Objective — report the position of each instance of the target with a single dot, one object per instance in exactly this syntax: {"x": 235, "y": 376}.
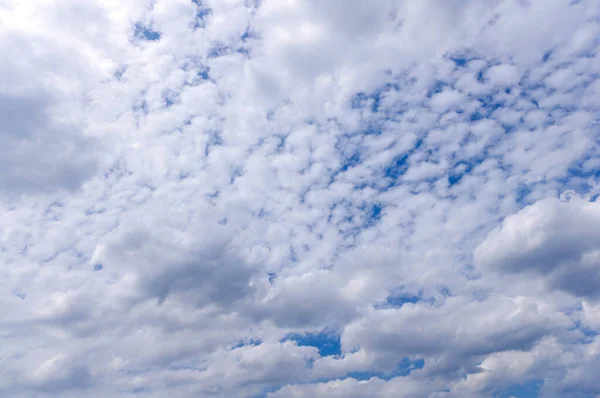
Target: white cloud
{"x": 188, "y": 186}
{"x": 550, "y": 238}
{"x": 503, "y": 75}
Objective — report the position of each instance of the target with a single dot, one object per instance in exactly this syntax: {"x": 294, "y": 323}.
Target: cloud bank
{"x": 300, "y": 198}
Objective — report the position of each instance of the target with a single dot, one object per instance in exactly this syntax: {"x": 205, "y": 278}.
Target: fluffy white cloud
{"x": 299, "y": 198}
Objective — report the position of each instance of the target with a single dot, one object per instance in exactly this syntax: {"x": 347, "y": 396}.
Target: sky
{"x": 300, "y": 198}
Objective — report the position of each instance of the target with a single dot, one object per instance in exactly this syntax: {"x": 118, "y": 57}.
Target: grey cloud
{"x": 58, "y": 374}
{"x": 52, "y": 160}
{"x": 44, "y": 147}
{"x": 22, "y": 116}
{"x": 399, "y": 387}
{"x": 469, "y": 331}
{"x": 204, "y": 278}
{"x": 306, "y": 301}
{"x": 559, "y": 241}
{"x": 204, "y": 273}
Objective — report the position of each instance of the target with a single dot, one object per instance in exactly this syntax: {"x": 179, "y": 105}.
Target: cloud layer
{"x": 299, "y": 198}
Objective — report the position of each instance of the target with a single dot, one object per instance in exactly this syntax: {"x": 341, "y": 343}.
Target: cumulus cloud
{"x": 553, "y": 239}
{"x": 299, "y": 198}
{"x": 43, "y": 84}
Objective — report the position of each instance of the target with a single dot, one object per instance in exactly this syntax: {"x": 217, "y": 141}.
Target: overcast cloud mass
{"x": 299, "y": 198}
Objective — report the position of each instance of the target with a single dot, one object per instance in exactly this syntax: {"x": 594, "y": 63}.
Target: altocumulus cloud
{"x": 206, "y": 198}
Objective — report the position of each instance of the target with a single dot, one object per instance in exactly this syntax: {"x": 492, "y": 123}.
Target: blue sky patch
{"x": 462, "y": 168}
{"x": 120, "y": 72}
{"x": 523, "y": 190}
{"x": 398, "y": 167}
{"x": 397, "y": 298}
{"x": 248, "y": 342}
{"x": 459, "y": 61}
{"x": 436, "y": 88}
{"x": 405, "y": 367}
{"x": 328, "y": 343}
{"x": 146, "y": 33}
{"x": 397, "y": 301}
{"x": 218, "y": 51}
{"x": 531, "y": 389}
{"x": 375, "y": 212}
{"x": 358, "y": 100}
{"x": 351, "y": 161}
{"x": 204, "y": 73}
{"x": 202, "y": 14}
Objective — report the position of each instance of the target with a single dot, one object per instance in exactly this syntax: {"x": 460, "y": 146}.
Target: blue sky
{"x": 300, "y": 198}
